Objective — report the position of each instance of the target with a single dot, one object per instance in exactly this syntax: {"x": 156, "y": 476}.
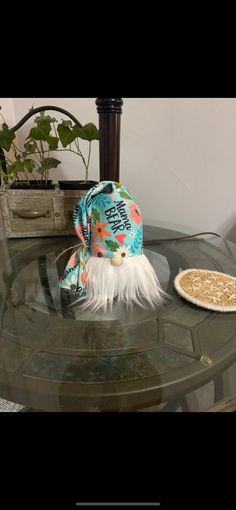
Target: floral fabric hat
{"x": 109, "y": 224}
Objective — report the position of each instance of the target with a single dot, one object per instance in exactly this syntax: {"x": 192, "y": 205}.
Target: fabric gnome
{"x": 110, "y": 262}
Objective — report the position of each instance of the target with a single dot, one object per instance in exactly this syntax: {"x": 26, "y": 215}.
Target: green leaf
{"x": 30, "y": 147}
{"x": 123, "y": 194}
{"x": 44, "y": 118}
{"x": 95, "y": 215}
{"x": 19, "y": 165}
{"x": 66, "y": 134}
{"x": 112, "y": 245}
{"x": 53, "y": 143}
{"x": 87, "y": 132}
{"x": 6, "y": 137}
{"x": 66, "y": 123}
{"x": 11, "y": 170}
{"x": 29, "y": 165}
{"x": 41, "y": 132}
{"x": 14, "y": 168}
{"x": 50, "y": 163}
{"x": 117, "y": 185}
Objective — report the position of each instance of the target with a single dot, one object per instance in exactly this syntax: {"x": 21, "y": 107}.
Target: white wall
{"x": 178, "y": 157}
{"x": 7, "y": 111}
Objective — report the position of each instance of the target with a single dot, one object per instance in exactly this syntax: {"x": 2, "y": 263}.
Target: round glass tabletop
{"x": 54, "y": 357}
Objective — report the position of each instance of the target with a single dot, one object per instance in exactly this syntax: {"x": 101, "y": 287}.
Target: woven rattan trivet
{"x": 209, "y": 289}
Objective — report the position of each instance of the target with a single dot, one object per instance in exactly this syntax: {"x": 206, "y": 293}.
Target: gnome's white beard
{"x": 134, "y": 281}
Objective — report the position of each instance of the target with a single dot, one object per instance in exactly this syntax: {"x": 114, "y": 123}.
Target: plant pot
{"x": 33, "y": 185}
{"x": 80, "y": 185}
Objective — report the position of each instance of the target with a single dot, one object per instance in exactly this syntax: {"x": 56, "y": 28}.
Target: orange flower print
{"x": 135, "y": 214}
{"x": 83, "y": 278}
{"x": 99, "y": 230}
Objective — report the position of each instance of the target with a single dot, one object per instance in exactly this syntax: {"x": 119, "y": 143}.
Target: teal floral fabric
{"x": 109, "y": 224}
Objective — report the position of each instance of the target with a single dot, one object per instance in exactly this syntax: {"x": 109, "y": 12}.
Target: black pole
{"x": 109, "y": 111}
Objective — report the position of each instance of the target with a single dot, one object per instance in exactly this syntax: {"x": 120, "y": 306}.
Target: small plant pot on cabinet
{"x": 35, "y": 212}
{"x": 77, "y": 185}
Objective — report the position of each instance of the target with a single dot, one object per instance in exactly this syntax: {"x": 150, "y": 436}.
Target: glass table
{"x": 54, "y": 357}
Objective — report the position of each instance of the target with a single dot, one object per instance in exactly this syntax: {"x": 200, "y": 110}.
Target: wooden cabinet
{"x": 39, "y": 213}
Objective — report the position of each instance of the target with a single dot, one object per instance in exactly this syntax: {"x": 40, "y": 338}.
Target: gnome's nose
{"x": 116, "y": 261}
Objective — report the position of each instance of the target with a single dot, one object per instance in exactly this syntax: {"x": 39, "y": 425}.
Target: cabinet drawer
{"x": 31, "y": 213}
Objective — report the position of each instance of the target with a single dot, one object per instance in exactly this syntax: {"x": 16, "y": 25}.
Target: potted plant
{"x": 25, "y": 174}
